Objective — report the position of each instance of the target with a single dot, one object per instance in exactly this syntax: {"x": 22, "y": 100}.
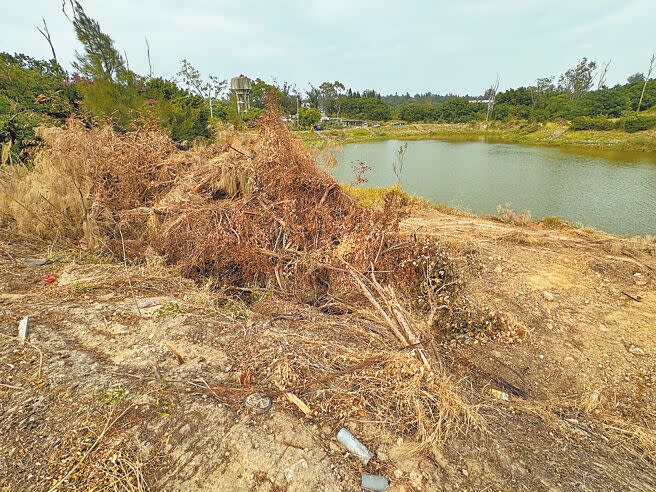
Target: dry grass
{"x": 508, "y": 216}
{"x": 249, "y": 211}
{"x": 349, "y": 373}
{"x": 253, "y": 213}
{"x": 519, "y": 236}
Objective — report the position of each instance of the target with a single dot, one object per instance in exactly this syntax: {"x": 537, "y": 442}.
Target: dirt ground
{"x": 98, "y": 397}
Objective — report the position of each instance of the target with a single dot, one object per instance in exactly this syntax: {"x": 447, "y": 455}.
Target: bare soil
{"x": 98, "y": 396}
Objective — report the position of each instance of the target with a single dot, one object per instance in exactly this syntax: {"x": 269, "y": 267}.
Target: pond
{"x": 609, "y": 190}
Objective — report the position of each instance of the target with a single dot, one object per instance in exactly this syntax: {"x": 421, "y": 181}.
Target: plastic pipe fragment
{"x": 353, "y": 446}
{"x": 377, "y": 483}
{"x": 23, "y": 328}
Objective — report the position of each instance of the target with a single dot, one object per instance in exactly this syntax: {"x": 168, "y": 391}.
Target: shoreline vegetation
{"x": 376, "y": 197}
{"x": 544, "y": 134}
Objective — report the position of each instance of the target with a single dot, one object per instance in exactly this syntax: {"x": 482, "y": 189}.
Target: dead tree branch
{"x": 644, "y": 86}
{"x": 46, "y": 34}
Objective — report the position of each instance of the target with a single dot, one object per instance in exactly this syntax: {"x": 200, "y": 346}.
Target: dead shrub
{"x": 507, "y": 215}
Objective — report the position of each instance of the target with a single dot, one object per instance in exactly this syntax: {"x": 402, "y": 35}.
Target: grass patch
{"x": 554, "y": 222}
{"x": 377, "y": 197}
{"x": 114, "y": 395}
{"x": 167, "y": 310}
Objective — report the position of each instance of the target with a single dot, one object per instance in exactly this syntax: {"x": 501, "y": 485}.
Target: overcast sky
{"x": 453, "y": 46}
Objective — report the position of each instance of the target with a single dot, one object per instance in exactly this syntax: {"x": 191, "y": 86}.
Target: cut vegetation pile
{"x": 253, "y": 213}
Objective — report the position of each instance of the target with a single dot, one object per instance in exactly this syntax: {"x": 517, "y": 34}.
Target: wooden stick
{"x": 378, "y": 308}
{"x": 296, "y": 401}
{"x": 414, "y": 339}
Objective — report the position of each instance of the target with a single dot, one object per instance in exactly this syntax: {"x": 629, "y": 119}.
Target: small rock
{"x": 398, "y": 473}
{"x": 465, "y": 472}
{"x": 498, "y": 269}
{"x": 291, "y": 471}
{"x": 635, "y": 350}
{"x": 382, "y": 456}
{"x": 548, "y": 296}
{"x": 334, "y": 448}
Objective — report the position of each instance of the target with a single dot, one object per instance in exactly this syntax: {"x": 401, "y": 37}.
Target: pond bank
{"x": 606, "y": 189}
{"x": 549, "y": 134}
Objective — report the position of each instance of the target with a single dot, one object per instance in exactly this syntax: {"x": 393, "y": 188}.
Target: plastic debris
{"x": 501, "y": 395}
{"x": 48, "y": 279}
{"x": 353, "y": 446}
{"x": 34, "y": 262}
{"x": 22, "y": 328}
{"x": 258, "y": 402}
{"x": 377, "y": 483}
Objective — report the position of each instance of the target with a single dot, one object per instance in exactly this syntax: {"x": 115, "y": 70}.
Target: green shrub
{"x": 635, "y": 124}
{"x": 589, "y": 123}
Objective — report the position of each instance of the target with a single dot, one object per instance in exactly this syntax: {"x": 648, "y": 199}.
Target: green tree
{"x": 578, "y": 80}
{"x": 366, "y": 108}
{"x": 331, "y": 96}
{"x": 32, "y": 93}
{"x": 100, "y": 59}
{"x": 309, "y": 117}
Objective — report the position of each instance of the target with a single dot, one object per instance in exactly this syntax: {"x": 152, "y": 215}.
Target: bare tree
{"x": 492, "y": 95}
{"x": 603, "y": 74}
{"x": 46, "y": 34}
{"x": 194, "y": 82}
{"x": 150, "y": 65}
{"x": 644, "y": 86}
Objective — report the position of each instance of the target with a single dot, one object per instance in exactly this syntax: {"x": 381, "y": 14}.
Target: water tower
{"x": 241, "y": 88}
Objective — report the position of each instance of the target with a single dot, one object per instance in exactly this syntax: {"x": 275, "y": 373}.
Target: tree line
{"x": 101, "y": 86}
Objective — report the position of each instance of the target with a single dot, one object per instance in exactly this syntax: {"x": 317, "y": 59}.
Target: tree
{"x": 289, "y": 98}
{"x": 309, "y": 117}
{"x": 366, "y": 108}
{"x": 209, "y": 90}
{"x": 331, "y": 94}
{"x": 635, "y": 78}
{"x": 578, "y": 79}
{"x": 491, "y": 95}
{"x": 603, "y": 74}
{"x": 313, "y": 95}
{"x": 647, "y": 77}
{"x": 100, "y": 59}
{"x": 32, "y": 93}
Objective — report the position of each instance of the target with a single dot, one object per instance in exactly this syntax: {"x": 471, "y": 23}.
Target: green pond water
{"x": 609, "y": 190}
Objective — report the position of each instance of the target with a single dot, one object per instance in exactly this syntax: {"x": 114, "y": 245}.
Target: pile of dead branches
{"x": 250, "y": 211}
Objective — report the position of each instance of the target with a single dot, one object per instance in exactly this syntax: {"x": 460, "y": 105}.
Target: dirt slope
{"x": 98, "y": 397}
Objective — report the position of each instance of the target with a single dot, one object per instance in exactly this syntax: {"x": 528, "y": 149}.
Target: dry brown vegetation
{"x": 252, "y": 213}
{"x": 187, "y": 281}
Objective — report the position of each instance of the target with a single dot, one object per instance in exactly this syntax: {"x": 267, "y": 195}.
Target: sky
{"x": 456, "y": 46}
